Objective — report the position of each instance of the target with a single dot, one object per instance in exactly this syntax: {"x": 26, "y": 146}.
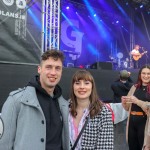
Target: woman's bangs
{"x": 83, "y": 76}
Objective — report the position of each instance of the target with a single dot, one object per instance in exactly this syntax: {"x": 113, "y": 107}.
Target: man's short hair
{"x": 124, "y": 75}
{"x": 55, "y": 54}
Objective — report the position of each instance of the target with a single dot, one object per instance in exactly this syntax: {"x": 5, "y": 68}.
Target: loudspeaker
{"x": 102, "y": 65}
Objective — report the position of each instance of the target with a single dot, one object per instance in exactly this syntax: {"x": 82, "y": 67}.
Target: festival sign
{"x": 20, "y": 28}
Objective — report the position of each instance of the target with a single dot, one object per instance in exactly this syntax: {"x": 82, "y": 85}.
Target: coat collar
{"x": 30, "y": 97}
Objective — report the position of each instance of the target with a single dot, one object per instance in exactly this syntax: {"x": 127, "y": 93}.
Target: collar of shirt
{"x": 74, "y": 131}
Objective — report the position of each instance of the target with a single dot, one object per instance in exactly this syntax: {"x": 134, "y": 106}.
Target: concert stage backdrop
{"x": 20, "y": 31}
{"x": 102, "y": 34}
{"x": 88, "y": 34}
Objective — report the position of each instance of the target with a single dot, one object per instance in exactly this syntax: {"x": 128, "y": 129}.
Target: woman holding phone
{"x": 136, "y": 103}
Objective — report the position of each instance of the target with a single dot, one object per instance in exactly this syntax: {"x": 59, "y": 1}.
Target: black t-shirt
{"x": 141, "y": 94}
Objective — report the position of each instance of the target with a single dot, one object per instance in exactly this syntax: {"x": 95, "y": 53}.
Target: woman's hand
{"x": 133, "y": 99}
{"x": 129, "y": 99}
{"x": 123, "y": 99}
{"x": 125, "y": 103}
{"x": 146, "y": 148}
{"x": 126, "y": 99}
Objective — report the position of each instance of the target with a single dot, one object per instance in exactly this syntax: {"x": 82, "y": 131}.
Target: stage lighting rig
{"x": 140, "y": 2}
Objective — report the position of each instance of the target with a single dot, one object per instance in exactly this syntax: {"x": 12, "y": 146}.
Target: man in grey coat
{"x": 36, "y": 117}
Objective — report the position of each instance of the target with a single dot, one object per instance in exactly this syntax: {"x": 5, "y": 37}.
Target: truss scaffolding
{"x": 51, "y": 25}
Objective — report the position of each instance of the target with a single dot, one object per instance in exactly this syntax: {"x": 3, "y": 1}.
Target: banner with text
{"x": 20, "y": 31}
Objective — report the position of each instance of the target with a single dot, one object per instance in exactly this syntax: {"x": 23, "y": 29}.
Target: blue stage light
{"x": 34, "y": 17}
{"x": 141, "y": 6}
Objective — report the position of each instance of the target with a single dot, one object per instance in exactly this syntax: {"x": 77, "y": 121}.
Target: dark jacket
{"x": 120, "y": 89}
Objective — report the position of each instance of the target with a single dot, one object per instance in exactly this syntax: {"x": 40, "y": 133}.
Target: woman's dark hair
{"x": 139, "y": 80}
{"x": 95, "y": 103}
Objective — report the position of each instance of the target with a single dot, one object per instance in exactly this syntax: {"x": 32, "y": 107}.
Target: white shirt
{"x": 135, "y": 52}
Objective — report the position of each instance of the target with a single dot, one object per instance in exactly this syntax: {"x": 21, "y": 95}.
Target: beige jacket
{"x": 147, "y": 131}
{"x": 127, "y": 107}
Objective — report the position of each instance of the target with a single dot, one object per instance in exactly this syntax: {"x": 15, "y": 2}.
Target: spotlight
{"x": 141, "y": 6}
{"x": 94, "y": 15}
{"x": 67, "y": 7}
{"x": 117, "y": 21}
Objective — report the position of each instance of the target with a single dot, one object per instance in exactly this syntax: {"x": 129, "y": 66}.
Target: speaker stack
{"x": 102, "y": 65}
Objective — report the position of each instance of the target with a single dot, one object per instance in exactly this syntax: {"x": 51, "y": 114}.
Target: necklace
{"x": 144, "y": 88}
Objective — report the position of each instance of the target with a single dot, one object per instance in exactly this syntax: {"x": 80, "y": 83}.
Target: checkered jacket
{"x": 98, "y": 134}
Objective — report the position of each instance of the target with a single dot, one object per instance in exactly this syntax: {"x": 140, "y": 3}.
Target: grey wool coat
{"x": 25, "y": 124}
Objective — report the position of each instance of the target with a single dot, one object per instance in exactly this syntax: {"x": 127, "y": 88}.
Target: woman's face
{"x": 145, "y": 76}
{"x": 82, "y": 89}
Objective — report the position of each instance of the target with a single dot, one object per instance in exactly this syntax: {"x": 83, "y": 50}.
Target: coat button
{"x": 42, "y": 121}
{"x": 42, "y": 140}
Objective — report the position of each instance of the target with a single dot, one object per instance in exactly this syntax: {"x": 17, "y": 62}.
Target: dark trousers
{"x": 135, "y": 64}
{"x": 136, "y": 132}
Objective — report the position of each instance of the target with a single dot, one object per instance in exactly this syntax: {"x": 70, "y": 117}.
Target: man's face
{"x": 137, "y": 47}
{"x": 50, "y": 72}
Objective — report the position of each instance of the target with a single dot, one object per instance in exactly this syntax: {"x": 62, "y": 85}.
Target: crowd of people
{"x": 37, "y": 117}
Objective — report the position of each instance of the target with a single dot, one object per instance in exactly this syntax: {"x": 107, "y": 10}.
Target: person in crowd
{"x": 136, "y": 103}
{"x": 32, "y": 116}
{"x": 88, "y": 114}
{"x": 136, "y": 55}
{"x": 146, "y": 145}
{"x": 121, "y": 86}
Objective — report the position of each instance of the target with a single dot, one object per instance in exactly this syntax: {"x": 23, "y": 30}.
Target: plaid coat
{"x": 98, "y": 134}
